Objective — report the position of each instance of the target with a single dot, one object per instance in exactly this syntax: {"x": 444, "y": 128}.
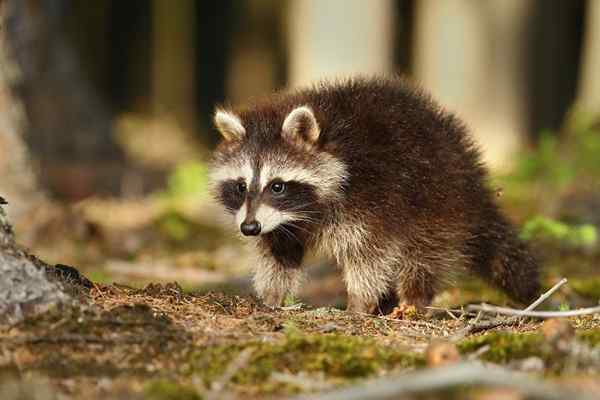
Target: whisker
{"x": 289, "y": 233}
{"x": 298, "y": 227}
{"x": 305, "y": 218}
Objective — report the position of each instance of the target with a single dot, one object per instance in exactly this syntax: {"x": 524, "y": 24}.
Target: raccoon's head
{"x": 272, "y": 173}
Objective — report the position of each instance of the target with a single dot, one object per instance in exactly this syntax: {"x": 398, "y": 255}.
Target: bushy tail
{"x": 510, "y": 264}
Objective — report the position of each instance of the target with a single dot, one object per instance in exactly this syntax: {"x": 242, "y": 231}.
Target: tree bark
{"x": 70, "y": 127}
{"x": 18, "y": 183}
{"x": 470, "y": 55}
{"x": 589, "y": 85}
{"x": 339, "y": 38}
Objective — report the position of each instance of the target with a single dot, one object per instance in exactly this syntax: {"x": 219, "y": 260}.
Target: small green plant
{"x": 547, "y": 229}
{"x": 564, "y": 307}
{"x": 189, "y": 179}
{"x": 545, "y": 164}
{"x": 290, "y": 300}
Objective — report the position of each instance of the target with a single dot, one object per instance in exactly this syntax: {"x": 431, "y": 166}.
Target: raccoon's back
{"x": 402, "y": 149}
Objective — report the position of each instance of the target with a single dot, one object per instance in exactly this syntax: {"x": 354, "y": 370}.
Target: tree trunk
{"x": 173, "y": 81}
{"x": 70, "y": 128}
{"x": 338, "y": 38}
{"x": 588, "y": 100}
{"x": 470, "y": 55}
{"x": 18, "y": 183}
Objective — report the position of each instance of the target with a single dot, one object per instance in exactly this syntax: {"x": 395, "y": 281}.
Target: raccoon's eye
{"x": 277, "y": 187}
{"x": 241, "y": 187}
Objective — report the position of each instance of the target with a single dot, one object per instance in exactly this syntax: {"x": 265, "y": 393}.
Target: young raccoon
{"x": 374, "y": 173}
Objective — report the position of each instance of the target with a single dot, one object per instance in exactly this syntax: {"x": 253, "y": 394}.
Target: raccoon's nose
{"x": 250, "y": 228}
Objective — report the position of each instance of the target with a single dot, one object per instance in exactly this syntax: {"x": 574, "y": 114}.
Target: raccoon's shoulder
{"x": 372, "y": 113}
{"x": 376, "y": 107}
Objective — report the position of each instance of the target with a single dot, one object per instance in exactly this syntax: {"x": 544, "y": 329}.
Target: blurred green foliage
{"x": 187, "y": 186}
{"x": 547, "y": 229}
{"x": 557, "y": 161}
{"x": 175, "y": 226}
{"x": 544, "y": 164}
{"x": 189, "y": 179}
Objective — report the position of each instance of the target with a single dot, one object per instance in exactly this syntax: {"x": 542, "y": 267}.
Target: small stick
{"x": 544, "y": 296}
{"x": 471, "y": 326}
{"x": 98, "y": 290}
{"x": 454, "y": 317}
{"x": 480, "y": 326}
{"x": 440, "y": 378}
{"x": 536, "y": 314}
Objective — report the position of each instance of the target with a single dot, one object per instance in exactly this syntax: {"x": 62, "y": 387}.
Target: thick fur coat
{"x": 375, "y": 174}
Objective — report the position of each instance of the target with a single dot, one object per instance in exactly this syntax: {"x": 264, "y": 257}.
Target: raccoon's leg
{"x": 367, "y": 283}
{"x": 278, "y": 272}
{"x": 417, "y": 284}
{"x": 273, "y": 281}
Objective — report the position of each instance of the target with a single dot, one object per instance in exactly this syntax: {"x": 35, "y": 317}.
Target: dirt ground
{"x": 162, "y": 342}
{"x": 207, "y": 337}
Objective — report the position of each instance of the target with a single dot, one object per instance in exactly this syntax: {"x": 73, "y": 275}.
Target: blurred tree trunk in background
{"x": 589, "y": 82}
{"x": 257, "y": 63}
{"x": 555, "y": 36}
{"x": 339, "y": 38}
{"x": 173, "y": 61}
{"x": 213, "y": 58}
{"x": 70, "y": 128}
{"x": 18, "y": 184}
{"x": 471, "y": 55}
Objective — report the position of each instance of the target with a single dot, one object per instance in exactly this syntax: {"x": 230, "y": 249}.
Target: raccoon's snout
{"x": 250, "y": 228}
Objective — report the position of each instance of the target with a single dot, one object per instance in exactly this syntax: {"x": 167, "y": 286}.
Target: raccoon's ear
{"x": 229, "y": 125}
{"x": 301, "y": 124}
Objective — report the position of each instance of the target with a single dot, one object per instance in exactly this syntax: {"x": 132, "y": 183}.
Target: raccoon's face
{"x": 274, "y": 177}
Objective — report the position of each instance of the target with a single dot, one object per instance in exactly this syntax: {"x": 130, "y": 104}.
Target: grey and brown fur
{"x": 376, "y": 175}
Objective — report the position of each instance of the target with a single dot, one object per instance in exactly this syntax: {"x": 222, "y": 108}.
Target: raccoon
{"x": 375, "y": 174}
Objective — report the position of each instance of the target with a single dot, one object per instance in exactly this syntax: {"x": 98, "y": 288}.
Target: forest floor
{"x": 210, "y": 338}
{"x": 170, "y": 314}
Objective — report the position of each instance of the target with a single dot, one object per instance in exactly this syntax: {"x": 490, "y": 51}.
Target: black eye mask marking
{"x": 230, "y": 196}
{"x": 295, "y": 196}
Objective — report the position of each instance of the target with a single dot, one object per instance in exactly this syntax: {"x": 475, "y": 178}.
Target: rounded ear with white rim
{"x": 229, "y": 125}
{"x": 301, "y": 124}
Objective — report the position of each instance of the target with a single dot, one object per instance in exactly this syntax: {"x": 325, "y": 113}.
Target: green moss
{"x": 335, "y": 356}
{"x": 505, "y": 347}
{"x": 589, "y": 287}
{"x": 99, "y": 276}
{"x": 591, "y": 337}
{"x": 167, "y": 390}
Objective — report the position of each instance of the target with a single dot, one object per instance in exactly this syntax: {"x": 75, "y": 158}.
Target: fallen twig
{"x": 536, "y": 314}
{"x": 429, "y": 380}
{"x": 485, "y": 325}
{"x": 544, "y": 296}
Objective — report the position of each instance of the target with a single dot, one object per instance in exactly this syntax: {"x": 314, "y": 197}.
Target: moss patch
{"x": 505, "y": 347}
{"x": 591, "y": 337}
{"x": 589, "y": 287}
{"x": 167, "y": 390}
{"x": 334, "y": 356}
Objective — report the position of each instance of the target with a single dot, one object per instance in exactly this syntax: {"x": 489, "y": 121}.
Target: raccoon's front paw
{"x": 273, "y": 299}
